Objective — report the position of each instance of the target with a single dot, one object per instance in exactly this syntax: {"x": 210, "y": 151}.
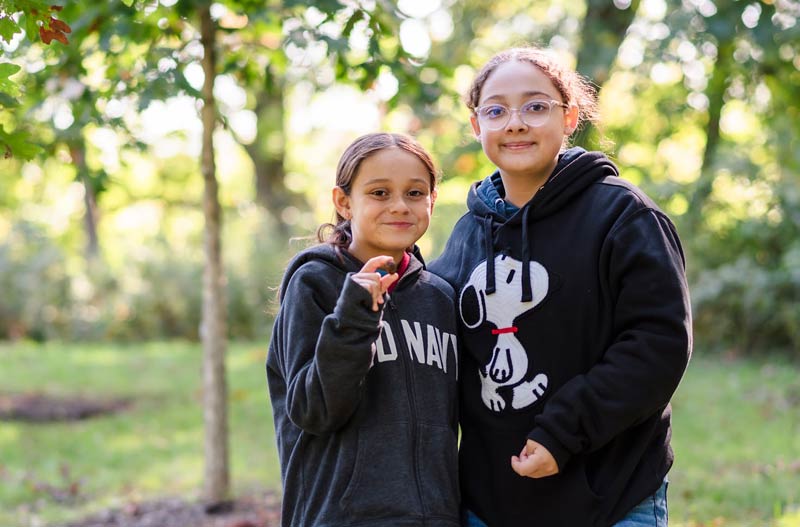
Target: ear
{"x": 570, "y": 119}
{"x": 476, "y": 128}
{"x": 434, "y": 194}
{"x": 342, "y": 203}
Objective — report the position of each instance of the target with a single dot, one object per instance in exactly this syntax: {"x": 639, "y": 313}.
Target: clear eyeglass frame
{"x": 533, "y": 113}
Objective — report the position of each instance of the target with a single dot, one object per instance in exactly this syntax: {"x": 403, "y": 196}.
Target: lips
{"x": 517, "y": 145}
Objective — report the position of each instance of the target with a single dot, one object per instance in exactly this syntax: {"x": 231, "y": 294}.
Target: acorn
{"x": 387, "y": 268}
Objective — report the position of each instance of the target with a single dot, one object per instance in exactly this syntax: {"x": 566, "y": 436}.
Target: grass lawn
{"x": 53, "y": 473}
{"x": 736, "y": 437}
{"x": 737, "y": 444}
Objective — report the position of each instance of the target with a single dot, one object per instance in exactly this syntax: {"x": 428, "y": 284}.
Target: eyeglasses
{"x": 533, "y": 113}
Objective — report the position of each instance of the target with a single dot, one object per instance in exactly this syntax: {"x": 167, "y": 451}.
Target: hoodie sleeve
{"x": 650, "y": 348}
{"x": 324, "y": 351}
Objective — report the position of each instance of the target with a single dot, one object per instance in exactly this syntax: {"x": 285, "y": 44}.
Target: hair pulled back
{"x": 574, "y": 88}
{"x": 339, "y": 234}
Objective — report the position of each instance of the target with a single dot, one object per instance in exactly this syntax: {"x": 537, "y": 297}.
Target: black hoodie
{"x": 364, "y": 402}
{"x": 576, "y": 331}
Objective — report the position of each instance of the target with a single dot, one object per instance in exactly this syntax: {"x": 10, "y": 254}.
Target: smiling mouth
{"x": 517, "y": 146}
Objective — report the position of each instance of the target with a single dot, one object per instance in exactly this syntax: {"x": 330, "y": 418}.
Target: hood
{"x": 575, "y": 171}
{"x": 323, "y": 252}
{"x": 343, "y": 260}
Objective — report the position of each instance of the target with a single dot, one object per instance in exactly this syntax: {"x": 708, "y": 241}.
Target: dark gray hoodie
{"x": 364, "y": 402}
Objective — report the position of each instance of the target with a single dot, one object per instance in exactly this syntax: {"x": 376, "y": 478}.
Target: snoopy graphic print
{"x": 507, "y": 374}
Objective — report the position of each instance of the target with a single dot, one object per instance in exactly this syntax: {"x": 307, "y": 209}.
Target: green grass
{"x": 154, "y": 449}
{"x": 737, "y": 444}
{"x": 736, "y": 434}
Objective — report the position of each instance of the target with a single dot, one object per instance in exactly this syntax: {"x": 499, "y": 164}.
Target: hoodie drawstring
{"x": 489, "y": 246}
{"x": 527, "y": 289}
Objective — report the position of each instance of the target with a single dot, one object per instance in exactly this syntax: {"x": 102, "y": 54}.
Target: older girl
{"x": 575, "y": 316}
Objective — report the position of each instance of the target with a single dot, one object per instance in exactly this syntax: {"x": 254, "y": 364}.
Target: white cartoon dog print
{"x": 508, "y": 365}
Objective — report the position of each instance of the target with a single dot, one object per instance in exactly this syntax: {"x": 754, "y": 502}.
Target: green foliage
{"x": 701, "y": 106}
{"x": 748, "y": 307}
{"x": 29, "y": 259}
{"x": 39, "y": 17}
{"x": 152, "y": 296}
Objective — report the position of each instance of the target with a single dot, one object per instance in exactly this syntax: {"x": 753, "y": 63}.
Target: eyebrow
{"x": 500, "y": 97}
{"x": 384, "y": 180}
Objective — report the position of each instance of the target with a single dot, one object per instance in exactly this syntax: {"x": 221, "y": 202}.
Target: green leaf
{"x": 128, "y": 3}
{"x": 17, "y": 145}
{"x": 8, "y": 28}
{"x": 7, "y": 101}
{"x": 31, "y": 29}
{"x": 7, "y": 85}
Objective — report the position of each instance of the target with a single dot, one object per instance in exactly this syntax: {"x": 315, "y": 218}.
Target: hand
{"x": 369, "y": 278}
{"x": 535, "y": 461}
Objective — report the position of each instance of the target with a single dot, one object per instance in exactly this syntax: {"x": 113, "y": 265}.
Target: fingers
{"x": 373, "y": 278}
{"x": 534, "y": 461}
{"x": 374, "y": 263}
{"x": 388, "y": 280}
{"x": 372, "y": 283}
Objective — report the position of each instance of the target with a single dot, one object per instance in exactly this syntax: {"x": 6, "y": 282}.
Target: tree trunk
{"x": 717, "y": 86}
{"x": 604, "y": 29}
{"x": 213, "y": 333}
{"x": 78, "y": 154}
{"x": 267, "y": 154}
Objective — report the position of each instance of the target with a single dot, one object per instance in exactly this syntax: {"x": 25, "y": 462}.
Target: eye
{"x": 536, "y": 107}
{"x": 494, "y": 111}
{"x": 379, "y": 193}
{"x": 416, "y": 193}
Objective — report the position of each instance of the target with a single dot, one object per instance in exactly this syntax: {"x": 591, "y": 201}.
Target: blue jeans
{"x": 652, "y": 512}
{"x": 468, "y": 519}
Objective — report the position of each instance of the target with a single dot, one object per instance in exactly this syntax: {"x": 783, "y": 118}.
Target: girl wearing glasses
{"x": 574, "y": 314}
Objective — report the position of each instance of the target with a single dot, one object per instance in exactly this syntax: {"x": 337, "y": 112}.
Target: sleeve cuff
{"x": 559, "y": 453}
{"x": 355, "y": 305}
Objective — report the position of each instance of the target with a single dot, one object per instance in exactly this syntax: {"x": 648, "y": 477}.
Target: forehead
{"x": 517, "y": 79}
{"x": 392, "y": 165}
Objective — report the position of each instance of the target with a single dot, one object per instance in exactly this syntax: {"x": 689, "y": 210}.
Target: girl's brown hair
{"x": 339, "y": 234}
{"x": 573, "y": 87}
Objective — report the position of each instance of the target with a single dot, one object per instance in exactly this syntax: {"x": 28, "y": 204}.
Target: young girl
{"x": 574, "y": 311}
{"x": 363, "y": 383}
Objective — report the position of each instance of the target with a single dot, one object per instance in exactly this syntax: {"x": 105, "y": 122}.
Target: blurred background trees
{"x": 101, "y": 181}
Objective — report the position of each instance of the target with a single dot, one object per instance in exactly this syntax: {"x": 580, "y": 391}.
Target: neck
{"x": 521, "y": 189}
{"x": 365, "y": 254}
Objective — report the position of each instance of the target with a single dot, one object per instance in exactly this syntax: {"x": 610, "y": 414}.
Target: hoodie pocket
{"x": 382, "y": 483}
{"x": 438, "y": 466}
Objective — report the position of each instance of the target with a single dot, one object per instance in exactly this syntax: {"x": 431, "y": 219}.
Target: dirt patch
{"x": 43, "y": 408}
{"x": 252, "y": 511}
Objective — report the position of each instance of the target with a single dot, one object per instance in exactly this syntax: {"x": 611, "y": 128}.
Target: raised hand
{"x": 373, "y": 281}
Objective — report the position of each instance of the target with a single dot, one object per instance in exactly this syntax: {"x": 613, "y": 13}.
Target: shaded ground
{"x": 43, "y": 408}
{"x": 252, "y": 511}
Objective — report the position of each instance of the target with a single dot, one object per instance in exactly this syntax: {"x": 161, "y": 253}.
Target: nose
{"x": 515, "y": 121}
{"x": 399, "y": 205}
